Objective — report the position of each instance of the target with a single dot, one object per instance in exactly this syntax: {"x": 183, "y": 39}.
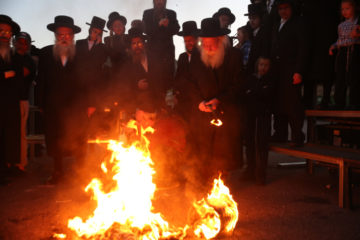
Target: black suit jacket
{"x": 289, "y": 46}
{"x": 260, "y": 46}
{"x": 161, "y": 37}
{"x": 90, "y": 69}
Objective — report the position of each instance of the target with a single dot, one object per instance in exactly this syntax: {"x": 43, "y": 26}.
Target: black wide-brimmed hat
{"x": 134, "y": 33}
{"x": 63, "y": 21}
{"x": 255, "y": 9}
{"x": 98, "y": 23}
{"x": 189, "y": 28}
{"x": 279, "y": 2}
{"x": 24, "y": 35}
{"x": 227, "y": 12}
{"x": 15, "y": 28}
{"x": 113, "y": 17}
{"x": 210, "y": 27}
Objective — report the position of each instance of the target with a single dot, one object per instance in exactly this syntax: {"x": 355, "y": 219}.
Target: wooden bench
{"x": 346, "y": 160}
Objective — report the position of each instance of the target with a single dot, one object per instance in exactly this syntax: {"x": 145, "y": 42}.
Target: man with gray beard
{"x": 215, "y": 79}
{"x": 12, "y": 91}
{"x": 60, "y": 96}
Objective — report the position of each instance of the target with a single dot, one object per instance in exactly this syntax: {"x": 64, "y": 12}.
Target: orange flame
{"x": 128, "y": 206}
{"x": 217, "y": 122}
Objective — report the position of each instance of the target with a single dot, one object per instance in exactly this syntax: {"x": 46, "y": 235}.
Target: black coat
{"x": 160, "y": 40}
{"x": 91, "y": 69}
{"x": 181, "y": 84}
{"x": 258, "y": 94}
{"x": 260, "y": 46}
{"x": 289, "y": 46}
{"x": 125, "y": 84}
{"x": 160, "y": 37}
{"x": 12, "y": 90}
{"x": 116, "y": 49}
{"x": 218, "y": 145}
{"x": 62, "y": 97}
{"x": 30, "y": 64}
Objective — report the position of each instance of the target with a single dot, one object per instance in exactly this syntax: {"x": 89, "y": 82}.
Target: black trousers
{"x": 288, "y": 108}
{"x": 10, "y": 135}
{"x": 257, "y": 136}
{"x": 347, "y": 76}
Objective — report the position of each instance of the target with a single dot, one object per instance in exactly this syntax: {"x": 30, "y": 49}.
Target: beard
{"x": 216, "y": 60}
{"x": 138, "y": 56}
{"x": 63, "y": 49}
{"x": 5, "y": 52}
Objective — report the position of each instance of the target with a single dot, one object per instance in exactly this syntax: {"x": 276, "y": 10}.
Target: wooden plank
{"x": 306, "y": 155}
{"x": 333, "y": 113}
{"x": 341, "y": 184}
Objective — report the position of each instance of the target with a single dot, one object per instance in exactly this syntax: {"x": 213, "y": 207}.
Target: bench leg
{"x": 344, "y": 185}
{"x": 310, "y": 166}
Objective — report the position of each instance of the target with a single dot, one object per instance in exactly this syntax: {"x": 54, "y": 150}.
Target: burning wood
{"x": 127, "y": 208}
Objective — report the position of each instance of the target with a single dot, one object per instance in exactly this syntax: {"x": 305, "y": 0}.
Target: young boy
{"x": 257, "y": 95}
{"x": 347, "y": 59}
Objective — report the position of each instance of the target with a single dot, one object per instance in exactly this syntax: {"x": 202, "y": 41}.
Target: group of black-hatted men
{"x": 137, "y": 72}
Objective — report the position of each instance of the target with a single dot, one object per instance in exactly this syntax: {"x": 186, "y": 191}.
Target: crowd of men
{"x": 283, "y": 49}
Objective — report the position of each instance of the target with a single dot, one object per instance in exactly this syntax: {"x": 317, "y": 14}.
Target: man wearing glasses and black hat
{"x": 12, "y": 91}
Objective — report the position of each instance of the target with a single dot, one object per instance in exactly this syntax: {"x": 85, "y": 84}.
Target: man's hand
{"x": 26, "y": 72}
{"x": 355, "y": 33}
{"x": 9, "y": 74}
{"x": 297, "y": 78}
{"x": 143, "y": 84}
{"x": 164, "y": 22}
{"x": 98, "y": 39}
{"x": 331, "y": 49}
{"x": 204, "y": 108}
{"x": 209, "y": 106}
{"x": 90, "y": 111}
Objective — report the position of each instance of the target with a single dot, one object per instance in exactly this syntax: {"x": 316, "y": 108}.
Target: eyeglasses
{"x": 64, "y": 35}
{"x": 4, "y": 32}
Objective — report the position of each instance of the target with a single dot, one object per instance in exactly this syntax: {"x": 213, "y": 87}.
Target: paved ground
{"x": 293, "y": 205}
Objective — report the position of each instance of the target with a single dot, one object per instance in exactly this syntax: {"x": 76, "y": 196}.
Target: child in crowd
{"x": 244, "y": 43}
{"x": 347, "y": 59}
{"x": 257, "y": 94}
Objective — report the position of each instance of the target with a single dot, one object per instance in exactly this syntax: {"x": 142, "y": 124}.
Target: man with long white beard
{"x": 216, "y": 78}
{"x": 11, "y": 93}
{"x": 61, "y": 97}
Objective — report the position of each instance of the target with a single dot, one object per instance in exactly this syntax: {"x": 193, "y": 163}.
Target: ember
{"x": 127, "y": 208}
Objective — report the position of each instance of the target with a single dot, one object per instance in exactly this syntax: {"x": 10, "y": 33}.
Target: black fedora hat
{"x": 227, "y": 12}
{"x": 23, "y": 35}
{"x": 134, "y": 33}
{"x": 63, "y": 21}
{"x": 255, "y": 9}
{"x": 279, "y": 2}
{"x": 113, "y": 17}
{"x": 189, "y": 28}
{"x": 15, "y": 28}
{"x": 97, "y": 22}
{"x": 210, "y": 27}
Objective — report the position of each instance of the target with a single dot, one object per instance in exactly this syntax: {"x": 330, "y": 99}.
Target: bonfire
{"x": 127, "y": 208}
